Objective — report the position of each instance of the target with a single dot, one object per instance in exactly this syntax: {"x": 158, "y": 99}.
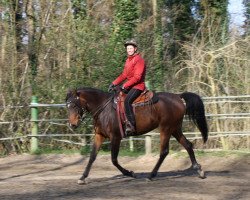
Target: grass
{"x": 54, "y": 151}
{"x": 86, "y": 151}
{"x": 125, "y": 152}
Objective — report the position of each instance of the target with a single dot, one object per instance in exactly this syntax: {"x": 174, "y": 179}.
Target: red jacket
{"x": 134, "y": 72}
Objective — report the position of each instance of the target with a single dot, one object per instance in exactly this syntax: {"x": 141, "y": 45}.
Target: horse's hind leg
{"x": 164, "y": 150}
{"x": 189, "y": 147}
{"x": 95, "y": 148}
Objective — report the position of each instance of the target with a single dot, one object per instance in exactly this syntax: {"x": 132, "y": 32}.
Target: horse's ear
{"x": 72, "y": 92}
{"x": 75, "y": 93}
{"x": 69, "y": 92}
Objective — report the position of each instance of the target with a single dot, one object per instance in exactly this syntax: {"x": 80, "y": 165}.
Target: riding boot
{"x": 130, "y": 129}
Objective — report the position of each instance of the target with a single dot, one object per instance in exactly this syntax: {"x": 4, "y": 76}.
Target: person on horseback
{"x": 134, "y": 76}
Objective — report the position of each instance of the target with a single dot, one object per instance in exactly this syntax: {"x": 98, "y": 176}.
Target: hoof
{"x": 149, "y": 179}
{"x": 201, "y": 174}
{"x": 133, "y": 174}
{"x": 81, "y": 182}
{"x": 129, "y": 174}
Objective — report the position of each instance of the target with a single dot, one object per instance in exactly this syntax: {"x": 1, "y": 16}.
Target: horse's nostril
{"x": 73, "y": 126}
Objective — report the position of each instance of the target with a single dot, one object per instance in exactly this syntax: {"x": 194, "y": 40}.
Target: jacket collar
{"x": 134, "y": 55}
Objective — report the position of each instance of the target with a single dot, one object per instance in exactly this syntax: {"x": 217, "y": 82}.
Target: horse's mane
{"x": 94, "y": 91}
{"x": 107, "y": 114}
{"x": 72, "y": 92}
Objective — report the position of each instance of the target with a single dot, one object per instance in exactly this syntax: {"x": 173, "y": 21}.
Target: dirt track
{"x": 55, "y": 177}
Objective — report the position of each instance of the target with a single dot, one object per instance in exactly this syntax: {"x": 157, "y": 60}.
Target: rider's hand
{"x": 111, "y": 87}
{"x": 125, "y": 90}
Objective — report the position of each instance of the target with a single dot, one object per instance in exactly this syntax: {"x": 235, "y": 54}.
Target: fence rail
{"x": 211, "y": 134}
{"x": 63, "y": 104}
{"x": 34, "y": 106}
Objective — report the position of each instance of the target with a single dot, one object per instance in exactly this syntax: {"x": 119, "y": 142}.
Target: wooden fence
{"x": 209, "y": 102}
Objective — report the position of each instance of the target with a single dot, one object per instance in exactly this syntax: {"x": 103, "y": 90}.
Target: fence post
{"x": 131, "y": 144}
{"x": 148, "y": 141}
{"x": 34, "y": 126}
{"x": 148, "y": 144}
{"x": 147, "y": 85}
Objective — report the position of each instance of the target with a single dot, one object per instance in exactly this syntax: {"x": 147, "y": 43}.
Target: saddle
{"x": 147, "y": 97}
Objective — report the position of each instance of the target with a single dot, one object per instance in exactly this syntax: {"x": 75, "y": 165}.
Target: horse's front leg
{"x": 98, "y": 140}
{"x": 115, "y": 146}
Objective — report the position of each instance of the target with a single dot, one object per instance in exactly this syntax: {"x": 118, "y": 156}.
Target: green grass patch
{"x": 86, "y": 151}
{"x": 131, "y": 153}
{"x": 126, "y": 152}
{"x": 55, "y": 151}
{"x": 123, "y": 153}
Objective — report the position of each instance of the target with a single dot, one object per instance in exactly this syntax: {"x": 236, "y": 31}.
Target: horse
{"x": 166, "y": 114}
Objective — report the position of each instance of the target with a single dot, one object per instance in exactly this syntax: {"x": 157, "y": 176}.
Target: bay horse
{"x": 167, "y": 115}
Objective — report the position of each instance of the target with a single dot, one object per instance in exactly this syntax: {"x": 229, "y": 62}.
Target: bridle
{"x": 74, "y": 102}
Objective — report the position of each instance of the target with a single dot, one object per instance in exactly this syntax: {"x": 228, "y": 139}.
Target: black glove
{"x": 111, "y": 87}
{"x": 125, "y": 90}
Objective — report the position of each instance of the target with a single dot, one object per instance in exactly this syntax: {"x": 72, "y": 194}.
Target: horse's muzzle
{"x": 73, "y": 126}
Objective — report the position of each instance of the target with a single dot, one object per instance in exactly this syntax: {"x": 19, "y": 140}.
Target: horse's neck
{"x": 95, "y": 99}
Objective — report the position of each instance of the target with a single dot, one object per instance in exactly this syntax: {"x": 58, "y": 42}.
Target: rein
{"x": 101, "y": 108}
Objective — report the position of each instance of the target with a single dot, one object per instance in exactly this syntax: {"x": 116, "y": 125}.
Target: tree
{"x": 123, "y": 28}
{"x": 181, "y": 26}
{"x": 247, "y": 14}
{"x": 214, "y": 20}
{"x": 157, "y": 72}
{"x": 33, "y": 46}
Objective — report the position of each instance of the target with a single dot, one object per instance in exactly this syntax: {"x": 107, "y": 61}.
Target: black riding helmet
{"x": 131, "y": 42}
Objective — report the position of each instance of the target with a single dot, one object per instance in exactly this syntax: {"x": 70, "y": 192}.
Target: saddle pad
{"x": 145, "y": 97}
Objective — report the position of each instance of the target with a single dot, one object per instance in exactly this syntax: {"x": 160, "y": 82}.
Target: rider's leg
{"x": 130, "y": 124}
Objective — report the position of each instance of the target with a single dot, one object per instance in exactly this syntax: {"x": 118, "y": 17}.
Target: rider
{"x": 134, "y": 73}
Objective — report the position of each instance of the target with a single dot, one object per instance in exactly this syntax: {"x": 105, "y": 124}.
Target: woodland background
{"x": 48, "y": 47}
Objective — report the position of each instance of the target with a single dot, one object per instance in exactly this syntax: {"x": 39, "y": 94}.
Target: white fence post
{"x": 131, "y": 144}
{"x": 148, "y": 144}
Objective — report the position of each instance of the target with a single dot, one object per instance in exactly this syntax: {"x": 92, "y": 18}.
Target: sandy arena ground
{"x": 55, "y": 177}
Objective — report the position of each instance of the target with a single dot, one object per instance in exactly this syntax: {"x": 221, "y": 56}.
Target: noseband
{"x": 74, "y": 102}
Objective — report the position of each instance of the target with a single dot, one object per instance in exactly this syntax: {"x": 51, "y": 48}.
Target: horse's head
{"x": 77, "y": 108}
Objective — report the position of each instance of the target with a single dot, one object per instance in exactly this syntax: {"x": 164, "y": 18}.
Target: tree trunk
{"x": 32, "y": 46}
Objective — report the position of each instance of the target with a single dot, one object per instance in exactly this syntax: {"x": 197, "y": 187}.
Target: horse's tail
{"x": 196, "y": 112}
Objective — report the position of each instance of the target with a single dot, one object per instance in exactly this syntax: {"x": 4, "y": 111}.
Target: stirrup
{"x": 130, "y": 129}
{"x": 129, "y": 133}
